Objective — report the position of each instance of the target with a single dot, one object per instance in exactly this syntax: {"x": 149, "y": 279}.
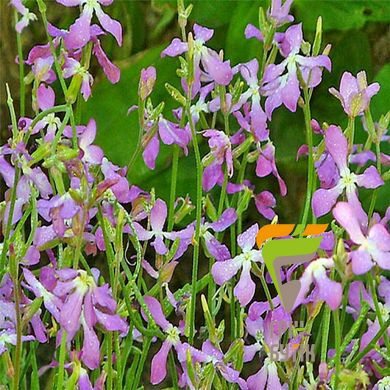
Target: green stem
{"x": 141, "y": 120}
{"x": 18, "y": 347}
{"x": 22, "y": 93}
{"x": 61, "y": 361}
{"x": 109, "y": 361}
{"x": 9, "y": 221}
{"x": 355, "y": 327}
{"x": 379, "y": 168}
{"x": 310, "y": 170}
{"x": 337, "y": 346}
{"x": 195, "y": 259}
{"x": 377, "y": 308}
{"x": 172, "y": 196}
{"x": 145, "y": 351}
{"x": 325, "y": 333}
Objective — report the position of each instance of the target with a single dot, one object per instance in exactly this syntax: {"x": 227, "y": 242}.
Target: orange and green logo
{"x": 281, "y": 252}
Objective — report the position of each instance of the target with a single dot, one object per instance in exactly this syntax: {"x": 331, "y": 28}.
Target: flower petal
{"x": 245, "y": 288}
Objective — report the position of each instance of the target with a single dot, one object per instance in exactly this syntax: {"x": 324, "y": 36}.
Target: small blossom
{"x": 279, "y": 13}
{"x": 223, "y": 271}
{"x": 146, "y": 82}
{"x": 372, "y": 248}
{"x": 159, "y": 361}
{"x": 79, "y": 32}
{"x": 266, "y": 378}
{"x": 325, "y": 289}
{"x": 214, "y": 68}
{"x": 283, "y": 88}
{"x": 26, "y": 18}
{"x": 355, "y": 94}
{"x": 324, "y": 199}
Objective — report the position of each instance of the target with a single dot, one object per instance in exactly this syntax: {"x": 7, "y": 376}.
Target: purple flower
{"x": 283, "y": 88}
{"x": 79, "y": 32}
{"x": 158, "y": 216}
{"x": 324, "y": 199}
{"x": 266, "y": 165}
{"x": 325, "y": 289}
{"x": 278, "y": 12}
{"x": 169, "y": 132}
{"x": 264, "y": 330}
{"x": 372, "y": 248}
{"x": 223, "y": 271}
{"x": 23, "y": 190}
{"x": 266, "y": 378}
{"x": 73, "y": 67}
{"x": 146, "y": 82}
{"x": 258, "y": 119}
{"x": 26, "y": 18}
{"x": 9, "y": 337}
{"x": 217, "y": 250}
{"x": 201, "y": 105}
{"x": 355, "y": 94}
{"x": 110, "y": 70}
{"x": 221, "y": 150}
{"x": 216, "y": 356}
{"x": 91, "y": 153}
{"x": 265, "y": 202}
{"x": 159, "y": 361}
{"x": 75, "y": 300}
{"x": 214, "y": 68}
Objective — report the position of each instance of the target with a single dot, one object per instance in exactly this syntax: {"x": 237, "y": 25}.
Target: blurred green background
{"x": 358, "y": 31}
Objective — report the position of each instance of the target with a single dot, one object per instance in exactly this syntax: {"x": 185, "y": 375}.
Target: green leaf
{"x": 212, "y": 13}
{"x": 238, "y": 49}
{"x": 380, "y": 103}
{"x": 341, "y": 15}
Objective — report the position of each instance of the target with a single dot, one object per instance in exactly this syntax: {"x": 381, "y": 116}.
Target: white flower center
{"x": 348, "y": 179}
{"x": 173, "y": 334}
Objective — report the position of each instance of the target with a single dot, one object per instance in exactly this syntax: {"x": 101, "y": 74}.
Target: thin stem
{"x": 18, "y": 348}
{"x": 337, "y": 346}
{"x": 172, "y": 196}
{"x": 109, "y": 360}
{"x": 310, "y": 170}
{"x": 379, "y": 168}
{"x": 145, "y": 351}
{"x": 141, "y": 120}
{"x": 22, "y": 93}
{"x": 325, "y": 333}
{"x": 195, "y": 260}
{"x": 61, "y": 361}
{"x": 377, "y": 308}
{"x": 9, "y": 221}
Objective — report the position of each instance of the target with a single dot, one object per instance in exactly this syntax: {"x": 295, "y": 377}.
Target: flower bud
{"x": 175, "y": 94}
{"x": 167, "y": 270}
{"x": 235, "y": 354}
{"x": 32, "y": 309}
{"x": 209, "y": 320}
{"x": 74, "y": 88}
{"x": 146, "y": 82}
{"x": 210, "y": 209}
{"x": 244, "y": 201}
{"x": 318, "y": 37}
{"x": 185, "y": 209}
{"x": 65, "y": 153}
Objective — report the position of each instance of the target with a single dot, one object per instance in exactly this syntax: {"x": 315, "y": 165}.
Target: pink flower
{"x": 355, "y": 94}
